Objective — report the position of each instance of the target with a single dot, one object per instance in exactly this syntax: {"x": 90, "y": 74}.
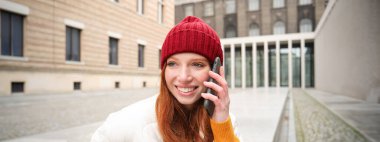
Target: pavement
{"x": 74, "y": 117}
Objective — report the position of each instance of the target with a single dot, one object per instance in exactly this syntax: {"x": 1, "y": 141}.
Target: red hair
{"x": 178, "y": 124}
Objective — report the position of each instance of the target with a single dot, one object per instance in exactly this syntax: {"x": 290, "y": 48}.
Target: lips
{"x": 186, "y": 89}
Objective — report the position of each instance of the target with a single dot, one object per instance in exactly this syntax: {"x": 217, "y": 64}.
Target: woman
{"x": 177, "y": 113}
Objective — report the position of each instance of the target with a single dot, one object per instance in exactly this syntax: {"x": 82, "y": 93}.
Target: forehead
{"x": 187, "y": 56}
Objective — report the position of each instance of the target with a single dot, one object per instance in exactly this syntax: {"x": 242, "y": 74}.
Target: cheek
{"x": 202, "y": 76}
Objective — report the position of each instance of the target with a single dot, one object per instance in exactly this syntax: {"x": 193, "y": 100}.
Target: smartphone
{"x": 209, "y": 105}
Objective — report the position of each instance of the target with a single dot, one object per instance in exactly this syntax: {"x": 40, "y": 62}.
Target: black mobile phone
{"x": 209, "y": 105}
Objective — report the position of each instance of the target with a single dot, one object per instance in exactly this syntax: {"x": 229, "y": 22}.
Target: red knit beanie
{"x": 192, "y": 35}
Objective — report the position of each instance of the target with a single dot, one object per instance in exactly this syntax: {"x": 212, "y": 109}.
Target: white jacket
{"x": 134, "y": 123}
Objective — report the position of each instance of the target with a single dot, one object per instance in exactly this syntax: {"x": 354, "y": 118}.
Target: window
{"x": 254, "y": 30}
{"x": 113, "y": 52}
{"x": 12, "y": 34}
{"x": 230, "y": 6}
{"x": 279, "y": 28}
{"x": 72, "y": 44}
{"x": 208, "y": 8}
{"x": 304, "y": 2}
{"x": 117, "y": 84}
{"x": 17, "y": 87}
{"x": 189, "y": 10}
{"x": 141, "y": 55}
{"x": 230, "y": 32}
{"x": 77, "y": 85}
{"x": 253, "y": 5}
{"x": 306, "y": 25}
{"x": 278, "y": 3}
{"x": 160, "y": 8}
{"x": 140, "y": 7}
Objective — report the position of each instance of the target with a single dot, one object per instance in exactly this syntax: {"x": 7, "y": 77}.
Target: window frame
{"x": 70, "y": 44}
{"x": 140, "y": 56}
{"x": 11, "y": 27}
{"x": 113, "y": 51}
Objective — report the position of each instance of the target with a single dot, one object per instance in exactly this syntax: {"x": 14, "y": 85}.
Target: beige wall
{"x": 347, "y": 50}
{"x": 45, "y": 44}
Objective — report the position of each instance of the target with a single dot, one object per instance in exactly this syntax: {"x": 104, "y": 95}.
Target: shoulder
{"x": 129, "y": 122}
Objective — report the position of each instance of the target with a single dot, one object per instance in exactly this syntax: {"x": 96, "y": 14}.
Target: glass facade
{"x": 272, "y": 65}
{"x": 296, "y": 65}
{"x": 249, "y": 66}
{"x": 260, "y": 66}
{"x": 309, "y": 64}
{"x": 238, "y": 66}
{"x": 284, "y": 66}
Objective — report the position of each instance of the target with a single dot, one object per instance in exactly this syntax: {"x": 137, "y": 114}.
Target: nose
{"x": 184, "y": 75}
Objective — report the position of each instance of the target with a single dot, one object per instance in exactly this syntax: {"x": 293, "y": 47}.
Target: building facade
{"x": 60, "y": 46}
{"x": 267, "y": 43}
{"x": 241, "y": 18}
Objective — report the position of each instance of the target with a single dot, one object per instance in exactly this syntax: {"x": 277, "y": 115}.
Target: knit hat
{"x": 192, "y": 35}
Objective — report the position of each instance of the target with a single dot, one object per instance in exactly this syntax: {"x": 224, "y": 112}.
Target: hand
{"x": 222, "y": 100}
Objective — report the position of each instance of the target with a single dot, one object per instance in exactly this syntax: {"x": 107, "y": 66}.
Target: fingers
{"x": 219, "y": 79}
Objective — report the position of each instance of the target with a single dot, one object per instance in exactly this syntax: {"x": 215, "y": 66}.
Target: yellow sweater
{"x": 223, "y": 131}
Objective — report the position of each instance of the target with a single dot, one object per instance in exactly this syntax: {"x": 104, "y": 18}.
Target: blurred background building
{"x": 59, "y": 46}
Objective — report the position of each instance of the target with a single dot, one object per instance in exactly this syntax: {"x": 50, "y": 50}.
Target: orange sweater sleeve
{"x": 223, "y": 131}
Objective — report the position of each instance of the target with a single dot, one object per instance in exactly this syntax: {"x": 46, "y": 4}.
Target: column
{"x": 302, "y": 63}
{"x": 266, "y": 72}
{"x": 254, "y": 64}
{"x": 290, "y": 66}
{"x": 243, "y": 65}
{"x": 278, "y": 64}
{"x": 232, "y": 65}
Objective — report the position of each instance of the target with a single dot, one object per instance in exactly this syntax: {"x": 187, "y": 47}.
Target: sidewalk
{"x": 257, "y": 111}
{"x": 360, "y": 114}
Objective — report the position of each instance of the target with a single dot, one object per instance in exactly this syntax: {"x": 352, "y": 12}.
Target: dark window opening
{"x": 12, "y": 34}
{"x": 117, "y": 84}
{"x": 17, "y": 87}
{"x": 72, "y": 44}
{"x": 77, "y": 85}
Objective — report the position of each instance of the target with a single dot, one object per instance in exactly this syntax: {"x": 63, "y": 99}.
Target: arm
{"x": 220, "y": 121}
{"x": 223, "y": 131}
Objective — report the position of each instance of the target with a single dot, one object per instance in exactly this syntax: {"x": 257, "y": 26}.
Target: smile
{"x": 186, "y": 89}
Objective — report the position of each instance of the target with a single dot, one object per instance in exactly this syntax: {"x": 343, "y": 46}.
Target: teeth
{"x": 185, "y": 90}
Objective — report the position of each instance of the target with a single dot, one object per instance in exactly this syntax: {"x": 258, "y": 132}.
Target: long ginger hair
{"x": 178, "y": 124}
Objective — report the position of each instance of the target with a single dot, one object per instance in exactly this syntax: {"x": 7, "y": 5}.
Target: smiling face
{"x": 184, "y": 75}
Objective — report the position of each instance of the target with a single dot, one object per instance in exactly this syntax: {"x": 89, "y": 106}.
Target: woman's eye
{"x": 199, "y": 65}
{"x": 171, "y": 64}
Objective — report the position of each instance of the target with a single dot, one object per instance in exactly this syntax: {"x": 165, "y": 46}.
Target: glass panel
{"x": 5, "y": 33}
{"x": 230, "y": 6}
{"x": 75, "y": 44}
{"x": 17, "y": 35}
{"x": 141, "y": 55}
{"x": 254, "y": 5}
{"x": 189, "y": 10}
{"x": 279, "y": 28}
{"x": 309, "y": 65}
{"x": 254, "y": 30}
{"x": 278, "y": 3}
{"x": 272, "y": 65}
{"x": 238, "y": 67}
{"x": 260, "y": 66}
{"x": 249, "y": 64}
{"x": 227, "y": 65}
{"x": 284, "y": 65}
{"x": 296, "y": 63}
{"x": 68, "y": 43}
{"x": 209, "y": 9}
{"x": 306, "y": 26}
{"x": 113, "y": 51}
{"x": 230, "y": 32}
